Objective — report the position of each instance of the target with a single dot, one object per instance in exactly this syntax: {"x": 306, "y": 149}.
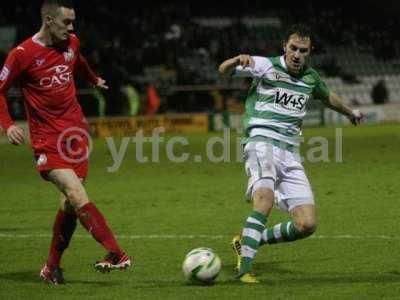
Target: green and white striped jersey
{"x": 276, "y": 101}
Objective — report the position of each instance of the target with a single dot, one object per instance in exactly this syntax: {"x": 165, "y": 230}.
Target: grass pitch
{"x": 162, "y": 210}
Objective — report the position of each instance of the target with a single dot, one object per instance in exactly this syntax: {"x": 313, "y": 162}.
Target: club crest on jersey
{"x": 42, "y": 160}
{"x": 69, "y": 55}
{"x": 4, "y": 73}
{"x": 277, "y": 76}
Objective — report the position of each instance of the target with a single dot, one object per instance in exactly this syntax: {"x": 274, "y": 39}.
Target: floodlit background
{"x": 160, "y": 60}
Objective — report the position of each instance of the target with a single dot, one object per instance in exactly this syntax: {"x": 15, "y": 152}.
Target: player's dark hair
{"x": 50, "y": 7}
{"x": 301, "y": 30}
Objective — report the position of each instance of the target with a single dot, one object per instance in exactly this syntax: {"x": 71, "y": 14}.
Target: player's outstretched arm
{"x": 229, "y": 65}
{"x": 335, "y": 102}
{"x": 5, "y": 118}
{"x": 86, "y": 70}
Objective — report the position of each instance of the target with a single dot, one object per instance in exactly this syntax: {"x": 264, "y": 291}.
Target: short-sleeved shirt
{"x": 276, "y": 101}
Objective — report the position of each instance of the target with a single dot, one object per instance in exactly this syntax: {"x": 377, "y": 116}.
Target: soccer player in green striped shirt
{"x": 275, "y": 108}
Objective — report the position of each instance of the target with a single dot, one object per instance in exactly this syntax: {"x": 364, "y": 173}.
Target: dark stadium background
{"x": 177, "y": 45}
{"x": 168, "y": 52}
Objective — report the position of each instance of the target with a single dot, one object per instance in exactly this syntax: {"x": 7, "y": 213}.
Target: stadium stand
{"x": 178, "y": 48}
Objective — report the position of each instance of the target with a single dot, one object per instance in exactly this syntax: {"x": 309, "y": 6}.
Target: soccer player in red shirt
{"x": 43, "y": 66}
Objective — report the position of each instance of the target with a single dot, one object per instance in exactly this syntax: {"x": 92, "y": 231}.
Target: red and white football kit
{"x": 57, "y": 126}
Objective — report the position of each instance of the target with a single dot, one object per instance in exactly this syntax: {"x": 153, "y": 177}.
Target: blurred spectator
{"x": 354, "y": 102}
{"x": 153, "y": 101}
{"x": 331, "y": 66}
{"x": 133, "y": 99}
{"x": 170, "y": 45}
{"x": 379, "y": 93}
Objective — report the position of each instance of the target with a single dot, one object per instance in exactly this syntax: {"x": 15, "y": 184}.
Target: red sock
{"x": 93, "y": 221}
{"x": 63, "y": 228}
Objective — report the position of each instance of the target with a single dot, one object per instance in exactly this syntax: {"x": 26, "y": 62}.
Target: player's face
{"x": 297, "y": 50}
{"x": 62, "y": 24}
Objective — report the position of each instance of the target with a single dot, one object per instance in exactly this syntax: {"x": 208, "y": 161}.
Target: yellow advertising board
{"x": 128, "y": 126}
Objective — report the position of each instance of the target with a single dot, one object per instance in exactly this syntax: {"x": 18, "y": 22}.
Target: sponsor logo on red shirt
{"x": 61, "y": 76}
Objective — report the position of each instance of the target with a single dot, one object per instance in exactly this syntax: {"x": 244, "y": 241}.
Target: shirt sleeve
{"x": 82, "y": 65}
{"x": 9, "y": 73}
{"x": 321, "y": 90}
{"x": 84, "y": 68}
{"x": 261, "y": 66}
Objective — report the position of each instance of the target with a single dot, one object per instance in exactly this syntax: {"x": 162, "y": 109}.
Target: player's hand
{"x": 356, "y": 117}
{"x": 245, "y": 60}
{"x": 101, "y": 83}
{"x": 15, "y": 135}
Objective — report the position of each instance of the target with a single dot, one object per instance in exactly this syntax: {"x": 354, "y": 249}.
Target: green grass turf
{"x": 358, "y": 197}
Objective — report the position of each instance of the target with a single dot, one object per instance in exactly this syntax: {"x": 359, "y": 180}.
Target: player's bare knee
{"x": 72, "y": 194}
{"x": 76, "y": 196}
{"x": 263, "y": 200}
{"x": 306, "y": 227}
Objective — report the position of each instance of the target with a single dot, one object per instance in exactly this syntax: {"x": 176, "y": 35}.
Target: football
{"x": 201, "y": 265}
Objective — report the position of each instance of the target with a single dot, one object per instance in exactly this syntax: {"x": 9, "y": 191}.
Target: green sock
{"x": 251, "y": 237}
{"x": 280, "y": 233}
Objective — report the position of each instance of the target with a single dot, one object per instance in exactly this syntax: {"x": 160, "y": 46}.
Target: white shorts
{"x": 284, "y": 168}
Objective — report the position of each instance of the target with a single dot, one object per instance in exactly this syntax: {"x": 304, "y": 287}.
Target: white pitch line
{"x": 128, "y": 237}
{"x": 357, "y": 237}
{"x": 200, "y": 236}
